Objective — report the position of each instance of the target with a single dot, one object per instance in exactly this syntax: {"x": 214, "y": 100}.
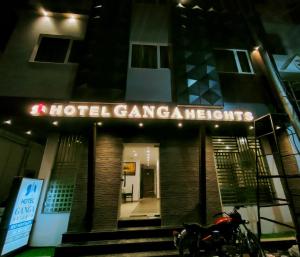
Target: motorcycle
{"x": 228, "y": 236}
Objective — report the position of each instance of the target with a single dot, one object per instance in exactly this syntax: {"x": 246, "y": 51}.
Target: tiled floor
{"x": 146, "y": 207}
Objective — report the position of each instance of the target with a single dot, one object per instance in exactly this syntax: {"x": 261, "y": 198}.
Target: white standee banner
{"x": 22, "y": 216}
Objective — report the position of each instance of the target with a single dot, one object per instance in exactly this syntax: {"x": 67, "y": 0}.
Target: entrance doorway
{"x": 147, "y": 182}
{"x": 140, "y": 187}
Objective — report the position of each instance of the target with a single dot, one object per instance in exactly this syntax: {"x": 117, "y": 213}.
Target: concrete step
{"x": 114, "y": 246}
{"x": 169, "y": 253}
{"x": 140, "y": 222}
{"x": 124, "y": 233}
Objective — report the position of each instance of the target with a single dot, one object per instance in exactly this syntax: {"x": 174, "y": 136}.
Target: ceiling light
{"x": 99, "y": 124}
{"x": 97, "y": 17}
{"x": 55, "y": 123}
{"x": 179, "y": 125}
{"x": 216, "y": 125}
{"x": 197, "y": 7}
{"x": 98, "y": 6}
{"x": 180, "y": 5}
{"x": 135, "y": 154}
{"x": 277, "y": 127}
{"x": 7, "y": 122}
{"x": 72, "y": 18}
{"x": 45, "y": 13}
{"x": 251, "y": 127}
{"x": 28, "y": 132}
{"x": 141, "y": 125}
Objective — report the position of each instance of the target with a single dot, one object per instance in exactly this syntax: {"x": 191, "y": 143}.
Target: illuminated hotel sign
{"x": 135, "y": 111}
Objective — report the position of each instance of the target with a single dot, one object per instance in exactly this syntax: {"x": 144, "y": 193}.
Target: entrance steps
{"x": 169, "y": 253}
{"x": 131, "y": 240}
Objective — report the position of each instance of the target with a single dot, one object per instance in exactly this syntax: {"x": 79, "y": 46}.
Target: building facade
{"x": 120, "y": 104}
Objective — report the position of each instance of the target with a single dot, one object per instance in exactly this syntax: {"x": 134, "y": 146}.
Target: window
{"x": 164, "y": 57}
{"x": 57, "y": 50}
{"x": 144, "y": 56}
{"x": 149, "y": 56}
{"x": 236, "y": 170}
{"x": 233, "y": 60}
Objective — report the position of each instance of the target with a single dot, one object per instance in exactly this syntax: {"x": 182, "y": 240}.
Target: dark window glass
{"x": 164, "y": 57}
{"x": 76, "y": 51}
{"x": 144, "y": 56}
{"x": 243, "y": 61}
{"x": 52, "y": 50}
{"x": 225, "y": 61}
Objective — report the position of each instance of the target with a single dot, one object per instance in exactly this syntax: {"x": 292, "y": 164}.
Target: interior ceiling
{"x": 74, "y": 6}
{"x": 147, "y": 154}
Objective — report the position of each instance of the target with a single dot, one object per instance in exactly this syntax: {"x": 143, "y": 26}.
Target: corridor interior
{"x": 140, "y": 194}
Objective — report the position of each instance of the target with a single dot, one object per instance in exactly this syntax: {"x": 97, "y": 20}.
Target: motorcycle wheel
{"x": 252, "y": 246}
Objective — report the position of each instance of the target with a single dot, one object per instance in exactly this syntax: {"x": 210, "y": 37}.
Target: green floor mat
{"x": 37, "y": 252}
{"x": 279, "y": 235}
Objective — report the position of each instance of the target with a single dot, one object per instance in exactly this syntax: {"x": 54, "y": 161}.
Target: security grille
{"x": 236, "y": 170}
{"x": 61, "y": 186}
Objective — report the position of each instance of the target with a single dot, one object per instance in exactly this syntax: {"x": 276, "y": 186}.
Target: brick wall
{"x": 107, "y": 181}
{"x": 213, "y": 204}
{"x": 179, "y": 178}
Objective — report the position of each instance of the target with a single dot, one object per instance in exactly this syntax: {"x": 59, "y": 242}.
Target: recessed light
{"x": 7, "y": 122}
{"x": 98, "y": 6}
{"x": 99, "y": 123}
{"x": 141, "y": 125}
{"x": 216, "y": 125}
{"x": 179, "y": 125}
{"x": 277, "y": 127}
{"x": 28, "y": 132}
{"x": 97, "y": 17}
{"x": 251, "y": 127}
{"x": 55, "y": 123}
{"x": 72, "y": 18}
